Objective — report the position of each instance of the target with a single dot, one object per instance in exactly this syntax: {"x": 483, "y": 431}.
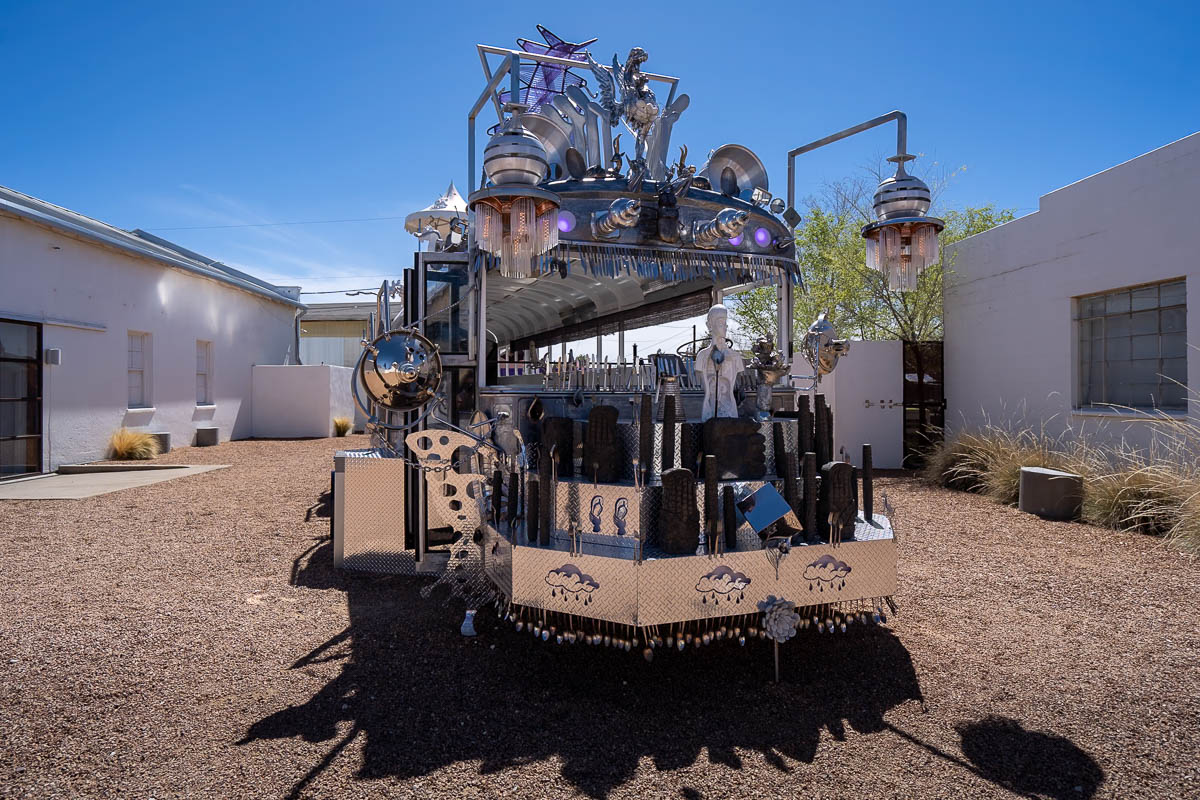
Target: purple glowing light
{"x": 762, "y": 237}
{"x": 735, "y": 241}
{"x": 566, "y": 221}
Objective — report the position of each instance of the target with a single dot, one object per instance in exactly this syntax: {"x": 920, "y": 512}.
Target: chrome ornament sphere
{"x": 401, "y": 370}
{"x": 902, "y": 195}
{"x": 514, "y": 156}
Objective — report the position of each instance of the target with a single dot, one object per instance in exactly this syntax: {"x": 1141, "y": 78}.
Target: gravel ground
{"x": 191, "y": 639}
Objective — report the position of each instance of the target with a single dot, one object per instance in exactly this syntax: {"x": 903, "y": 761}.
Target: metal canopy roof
{"x": 540, "y": 308}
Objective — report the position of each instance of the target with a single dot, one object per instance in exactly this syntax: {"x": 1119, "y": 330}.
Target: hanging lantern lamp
{"x": 514, "y": 219}
{"x": 903, "y": 242}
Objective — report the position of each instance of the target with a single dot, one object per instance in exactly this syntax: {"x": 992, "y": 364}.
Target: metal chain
{"x": 380, "y": 441}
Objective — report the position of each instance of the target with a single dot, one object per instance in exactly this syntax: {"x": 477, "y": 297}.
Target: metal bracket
{"x": 882, "y": 404}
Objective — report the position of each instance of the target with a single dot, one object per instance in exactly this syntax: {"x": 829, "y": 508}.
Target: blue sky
{"x": 188, "y": 115}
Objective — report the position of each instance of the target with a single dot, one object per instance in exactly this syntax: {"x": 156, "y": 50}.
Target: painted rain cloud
{"x": 570, "y": 583}
{"x": 826, "y": 570}
{"x": 722, "y": 582}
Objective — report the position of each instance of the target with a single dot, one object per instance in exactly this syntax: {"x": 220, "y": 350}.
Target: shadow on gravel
{"x": 1029, "y": 762}
{"x": 424, "y": 697}
{"x": 322, "y": 508}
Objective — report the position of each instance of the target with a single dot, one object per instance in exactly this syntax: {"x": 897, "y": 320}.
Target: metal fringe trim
{"x": 615, "y": 260}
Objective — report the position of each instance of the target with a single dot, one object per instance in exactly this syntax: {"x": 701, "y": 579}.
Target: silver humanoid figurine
{"x": 718, "y": 366}
{"x": 770, "y": 367}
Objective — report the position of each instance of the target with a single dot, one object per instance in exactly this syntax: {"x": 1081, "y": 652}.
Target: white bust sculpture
{"x": 718, "y": 367}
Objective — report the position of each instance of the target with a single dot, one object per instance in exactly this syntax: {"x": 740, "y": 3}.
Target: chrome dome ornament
{"x": 401, "y": 370}
{"x": 514, "y": 156}
{"x": 901, "y": 195}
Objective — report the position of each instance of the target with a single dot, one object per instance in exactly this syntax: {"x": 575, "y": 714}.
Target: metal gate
{"x": 924, "y": 399}
{"x": 20, "y": 398}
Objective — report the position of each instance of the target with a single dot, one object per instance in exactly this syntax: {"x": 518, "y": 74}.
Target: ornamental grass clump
{"x": 342, "y": 426}
{"x": 1130, "y": 493}
{"x": 988, "y": 461}
{"x": 1153, "y": 490}
{"x": 127, "y": 445}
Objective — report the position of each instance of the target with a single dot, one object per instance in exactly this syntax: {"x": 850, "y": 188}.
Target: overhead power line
{"x": 274, "y": 224}
{"x": 344, "y": 291}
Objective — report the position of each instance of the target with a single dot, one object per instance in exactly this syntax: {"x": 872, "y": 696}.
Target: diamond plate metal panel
{"x": 373, "y": 508}
{"x": 497, "y": 559}
{"x": 674, "y": 590}
{"x": 589, "y": 586}
{"x": 604, "y": 508}
{"x": 665, "y": 591}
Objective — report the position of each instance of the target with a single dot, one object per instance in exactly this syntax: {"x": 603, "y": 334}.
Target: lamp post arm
{"x": 901, "y": 145}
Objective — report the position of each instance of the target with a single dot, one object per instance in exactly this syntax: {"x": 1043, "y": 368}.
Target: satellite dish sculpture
{"x": 583, "y": 504}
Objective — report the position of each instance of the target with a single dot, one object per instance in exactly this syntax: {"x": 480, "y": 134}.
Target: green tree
{"x": 832, "y": 257}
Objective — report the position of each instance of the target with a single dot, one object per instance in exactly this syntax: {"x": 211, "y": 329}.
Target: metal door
{"x": 20, "y": 398}
{"x": 924, "y": 399}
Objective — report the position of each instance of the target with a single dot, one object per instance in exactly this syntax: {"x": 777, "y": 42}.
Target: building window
{"x": 1133, "y": 347}
{"x": 139, "y": 369}
{"x": 203, "y": 373}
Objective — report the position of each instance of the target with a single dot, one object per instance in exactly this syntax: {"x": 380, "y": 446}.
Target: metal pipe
{"x": 481, "y": 347}
{"x": 514, "y": 77}
{"x": 483, "y": 98}
{"x": 487, "y": 73}
{"x": 901, "y": 144}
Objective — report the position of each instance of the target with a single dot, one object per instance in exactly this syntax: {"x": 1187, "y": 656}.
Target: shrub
{"x": 342, "y": 425}
{"x": 125, "y": 445}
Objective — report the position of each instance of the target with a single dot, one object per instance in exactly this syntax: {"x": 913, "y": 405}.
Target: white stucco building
{"x": 102, "y": 328}
{"x": 1072, "y": 314}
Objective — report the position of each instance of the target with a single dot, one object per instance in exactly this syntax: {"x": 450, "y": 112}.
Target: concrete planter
{"x": 1051, "y": 494}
